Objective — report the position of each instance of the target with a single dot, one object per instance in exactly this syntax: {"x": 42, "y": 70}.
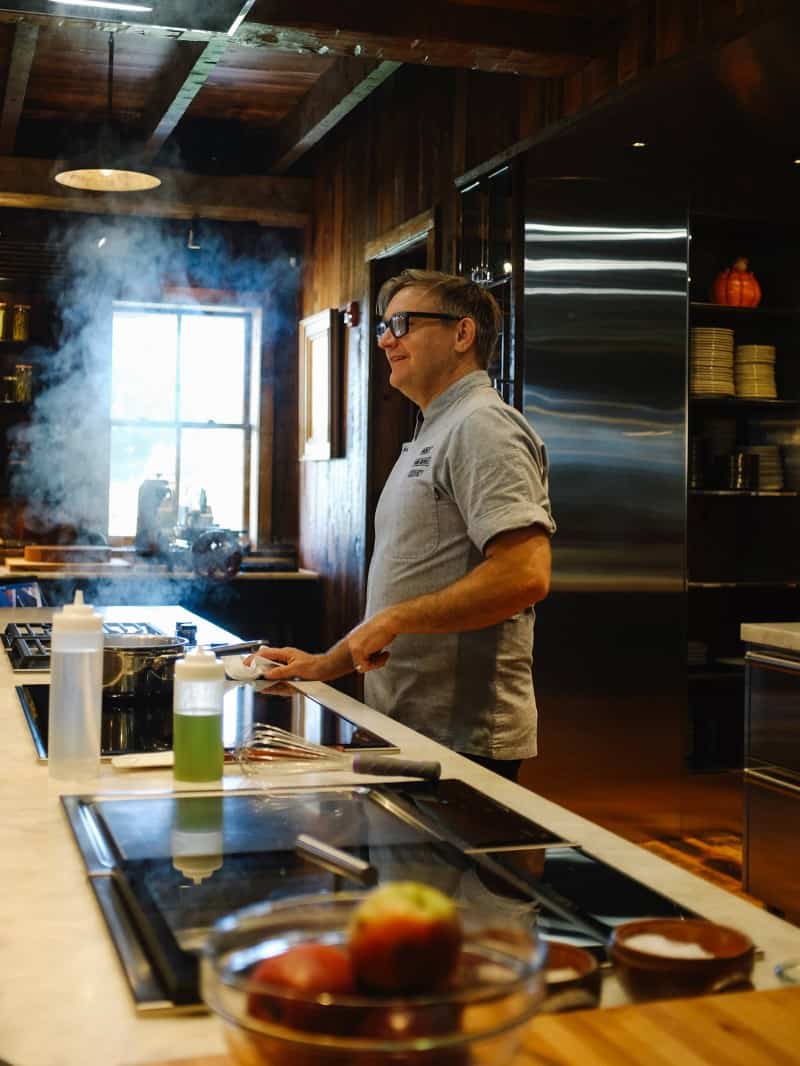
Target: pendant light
{"x": 106, "y": 168}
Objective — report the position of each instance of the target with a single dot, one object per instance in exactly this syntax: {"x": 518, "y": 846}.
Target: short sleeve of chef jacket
{"x": 496, "y": 472}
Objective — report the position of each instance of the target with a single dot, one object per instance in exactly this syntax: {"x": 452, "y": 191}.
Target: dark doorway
{"x": 391, "y": 415}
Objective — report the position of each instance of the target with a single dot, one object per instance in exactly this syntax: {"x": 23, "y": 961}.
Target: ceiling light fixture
{"x": 105, "y": 168}
{"x": 109, "y": 5}
{"x": 639, "y": 144}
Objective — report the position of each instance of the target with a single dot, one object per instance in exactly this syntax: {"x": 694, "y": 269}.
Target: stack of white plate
{"x": 791, "y": 466}
{"x": 755, "y": 371}
{"x": 770, "y": 467}
{"x": 711, "y": 361}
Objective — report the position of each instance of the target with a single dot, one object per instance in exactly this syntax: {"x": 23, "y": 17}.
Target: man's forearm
{"x": 499, "y": 587}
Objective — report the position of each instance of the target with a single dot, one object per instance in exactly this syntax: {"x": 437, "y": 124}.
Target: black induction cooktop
{"x": 165, "y": 868}
{"x": 134, "y": 728}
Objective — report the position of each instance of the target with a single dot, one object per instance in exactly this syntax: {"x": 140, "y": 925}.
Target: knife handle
{"x": 336, "y": 860}
{"x": 365, "y": 763}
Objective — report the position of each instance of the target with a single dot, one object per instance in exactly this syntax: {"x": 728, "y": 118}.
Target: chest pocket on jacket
{"x": 415, "y": 519}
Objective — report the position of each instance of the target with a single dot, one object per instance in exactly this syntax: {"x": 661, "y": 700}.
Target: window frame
{"x": 251, "y": 413}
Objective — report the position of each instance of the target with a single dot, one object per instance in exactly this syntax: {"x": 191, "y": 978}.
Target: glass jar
{"x": 24, "y": 376}
{"x": 21, "y": 323}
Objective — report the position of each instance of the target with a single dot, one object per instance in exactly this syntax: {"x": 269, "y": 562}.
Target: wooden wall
{"x": 399, "y": 154}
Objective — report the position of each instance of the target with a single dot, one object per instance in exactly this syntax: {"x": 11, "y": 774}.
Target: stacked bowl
{"x": 755, "y": 371}
{"x": 711, "y": 361}
{"x": 770, "y": 467}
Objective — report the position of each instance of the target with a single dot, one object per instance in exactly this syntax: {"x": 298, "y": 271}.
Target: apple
{"x": 404, "y": 937}
{"x": 303, "y": 970}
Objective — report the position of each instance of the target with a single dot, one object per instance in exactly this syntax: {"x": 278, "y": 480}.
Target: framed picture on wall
{"x": 319, "y": 386}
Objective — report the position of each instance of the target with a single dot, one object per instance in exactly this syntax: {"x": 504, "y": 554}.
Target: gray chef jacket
{"x": 474, "y": 469}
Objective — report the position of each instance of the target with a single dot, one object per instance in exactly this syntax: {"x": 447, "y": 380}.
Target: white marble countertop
{"x": 784, "y": 635}
{"x": 63, "y": 998}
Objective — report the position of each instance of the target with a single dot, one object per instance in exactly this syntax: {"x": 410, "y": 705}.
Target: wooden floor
{"x": 715, "y": 856}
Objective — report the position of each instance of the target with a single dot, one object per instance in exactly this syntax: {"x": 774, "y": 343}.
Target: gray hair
{"x": 455, "y": 296}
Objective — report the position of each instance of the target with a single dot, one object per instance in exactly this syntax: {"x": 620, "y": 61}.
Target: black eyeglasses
{"x": 398, "y": 322}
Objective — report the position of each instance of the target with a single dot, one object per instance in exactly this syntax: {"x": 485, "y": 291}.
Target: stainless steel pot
{"x": 141, "y": 666}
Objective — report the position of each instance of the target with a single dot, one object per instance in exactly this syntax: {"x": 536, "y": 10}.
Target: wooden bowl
{"x": 647, "y": 970}
{"x": 573, "y": 978}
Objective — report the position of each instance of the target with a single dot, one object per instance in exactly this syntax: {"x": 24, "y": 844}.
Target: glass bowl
{"x": 479, "y": 1019}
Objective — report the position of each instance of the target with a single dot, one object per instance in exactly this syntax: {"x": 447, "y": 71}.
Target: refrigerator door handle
{"x": 768, "y": 779}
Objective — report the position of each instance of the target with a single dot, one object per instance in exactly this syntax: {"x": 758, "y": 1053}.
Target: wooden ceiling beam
{"x": 597, "y": 9}
{"x": 19, "y": 68}
{"x": 333, "y": 96}
{"x": 443, "y": 33}
{"x": 268, "y": 201}
{"x": 174, "y": 92}
{"x": 106, "y": 25}
{"x": 501, "y": 40}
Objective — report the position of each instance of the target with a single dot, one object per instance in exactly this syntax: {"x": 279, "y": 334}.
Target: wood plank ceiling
{"x": 255, "y": 100}
{"x": 226, "y": 96}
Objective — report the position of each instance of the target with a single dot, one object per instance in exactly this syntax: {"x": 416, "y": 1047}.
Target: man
{"x": 462, "y": 538}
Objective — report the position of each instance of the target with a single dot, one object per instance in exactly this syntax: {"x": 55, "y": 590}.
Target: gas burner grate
{"x": 27, "y": 644}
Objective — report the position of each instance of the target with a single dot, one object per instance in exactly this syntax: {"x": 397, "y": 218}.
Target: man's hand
{"x": 368, "y": 641}
{"x": 303, "y": 666}
{"x": 297, "y": 664}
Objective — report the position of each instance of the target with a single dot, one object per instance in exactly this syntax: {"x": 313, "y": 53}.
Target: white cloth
{"x": 237, "y": 670}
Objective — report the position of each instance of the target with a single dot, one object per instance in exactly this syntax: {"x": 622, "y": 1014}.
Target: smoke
{"x": 63, "y": 475}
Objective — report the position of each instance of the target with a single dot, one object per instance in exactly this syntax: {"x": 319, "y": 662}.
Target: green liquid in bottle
{"x": 197, "y": 742}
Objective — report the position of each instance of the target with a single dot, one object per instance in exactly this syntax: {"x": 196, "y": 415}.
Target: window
{"x": 184, "y": 407}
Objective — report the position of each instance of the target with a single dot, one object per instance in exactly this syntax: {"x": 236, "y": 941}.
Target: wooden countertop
{"x": 738, "y": 1029}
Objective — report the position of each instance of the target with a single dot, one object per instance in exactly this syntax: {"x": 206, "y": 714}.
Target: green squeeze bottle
{"x": 197, "y": 718}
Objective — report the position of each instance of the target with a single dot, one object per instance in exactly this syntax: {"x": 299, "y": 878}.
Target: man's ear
{"x": 466, "y": 332}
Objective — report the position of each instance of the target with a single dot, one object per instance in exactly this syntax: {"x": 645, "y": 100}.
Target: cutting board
{"x": 67, "y": 553}
{"x": 737, "y": 1029}
{"x": 31, "y": 566}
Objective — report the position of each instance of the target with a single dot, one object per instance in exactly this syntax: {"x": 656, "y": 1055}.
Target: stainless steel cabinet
{"x": 772, "y": 781}
{"x": 773, "y": 712}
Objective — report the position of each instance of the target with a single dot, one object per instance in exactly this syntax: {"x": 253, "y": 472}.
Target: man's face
{"x": 424, "y": 360}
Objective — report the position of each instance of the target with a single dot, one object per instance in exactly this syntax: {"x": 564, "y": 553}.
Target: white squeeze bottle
{"x": 197, "y": 717}
{"x": 76, "y": 686}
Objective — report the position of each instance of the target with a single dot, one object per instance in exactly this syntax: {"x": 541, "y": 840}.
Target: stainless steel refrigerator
{"x": 605, "y": 316}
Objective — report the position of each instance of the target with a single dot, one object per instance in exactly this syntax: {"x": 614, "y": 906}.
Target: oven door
{"x": 772, "y": 732}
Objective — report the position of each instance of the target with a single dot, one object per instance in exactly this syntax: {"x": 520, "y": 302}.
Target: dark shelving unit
{"x": 743, "y": 561}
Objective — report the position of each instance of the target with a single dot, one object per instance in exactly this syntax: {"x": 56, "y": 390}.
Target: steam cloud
{"x": 64, "y": 473}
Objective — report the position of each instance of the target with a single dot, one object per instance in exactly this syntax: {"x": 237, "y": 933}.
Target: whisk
{"x": 269, "y": 749}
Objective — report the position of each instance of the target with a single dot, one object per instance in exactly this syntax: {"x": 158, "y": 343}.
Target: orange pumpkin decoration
{"x": 736, "y": 286}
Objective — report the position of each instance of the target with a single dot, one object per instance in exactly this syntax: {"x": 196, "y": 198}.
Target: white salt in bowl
{"x": 657, "y": 958}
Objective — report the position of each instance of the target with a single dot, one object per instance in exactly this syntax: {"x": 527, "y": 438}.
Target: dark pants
{"x": 508, "y": 768}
